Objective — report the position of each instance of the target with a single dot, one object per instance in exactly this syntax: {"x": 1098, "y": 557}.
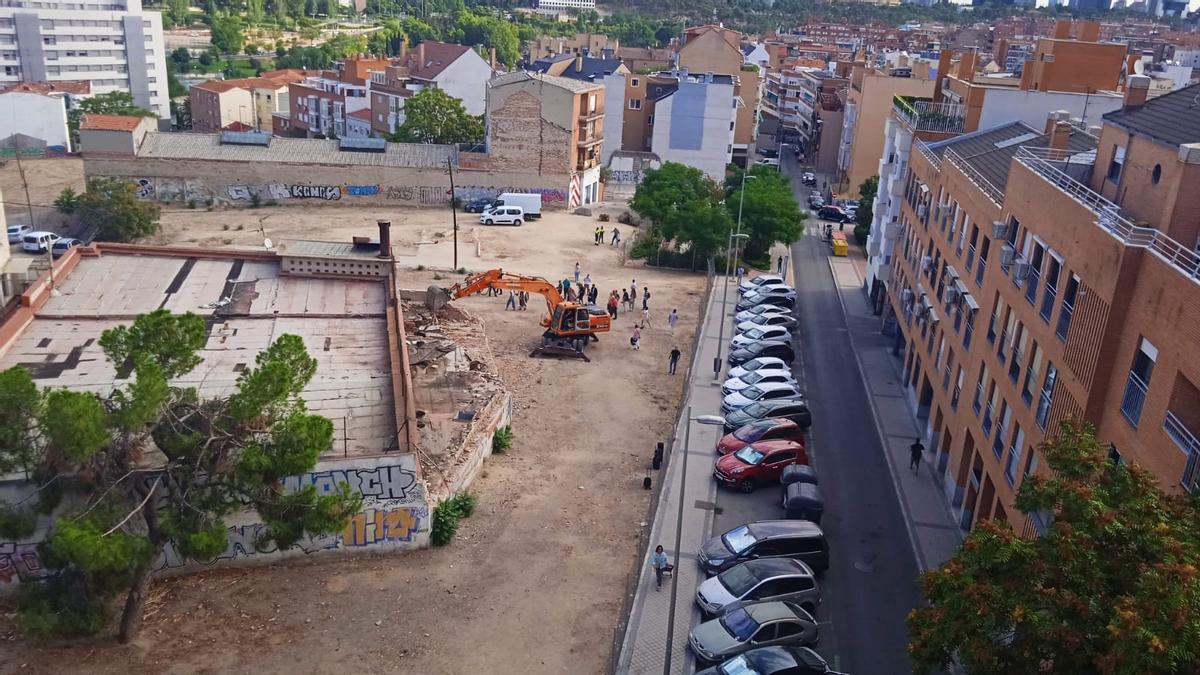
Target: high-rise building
{"x": 112, "y": 44}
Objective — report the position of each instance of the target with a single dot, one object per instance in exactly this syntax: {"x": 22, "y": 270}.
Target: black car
{"x": 834, "y": 213}
{"x": 755, "y": 299}
{"x": 794, "y": 410}
{"x": 775, "y": 348}
{"x": 477, "y": 205}
{"x": 773, "y": 661}
{"x": 798, "y": 539}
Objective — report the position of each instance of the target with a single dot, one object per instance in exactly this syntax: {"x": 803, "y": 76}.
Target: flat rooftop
{"x": 246, "y": 304}
{"x": 291, "y": 151}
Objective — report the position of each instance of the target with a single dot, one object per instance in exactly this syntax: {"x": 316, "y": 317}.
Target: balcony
{"x": 1134, "y": 398}
{"x": 1190, "y": 445}
{"x": 585, "y": 117}
{"x": 922, "y": 114}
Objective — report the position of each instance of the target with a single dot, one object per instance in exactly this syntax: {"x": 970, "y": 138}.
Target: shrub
{"x": 446, "y": 516}
{"x": 604, "y": 217}
{"x": 646, "y": 245}
{"x": 255, "y": 201}
{"x": 502, "y": 441}
{"x": 625, "y": 218}
{"x": 191, "y": 203}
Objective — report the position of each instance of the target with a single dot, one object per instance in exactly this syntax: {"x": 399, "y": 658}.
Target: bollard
{"x": 658, "y": 456}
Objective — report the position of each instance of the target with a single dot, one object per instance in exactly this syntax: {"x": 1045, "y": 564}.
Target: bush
{"x": 67, "y": 201}
{"x": 626, "y": 218}
{"x": 646, "y": 245}
{"x": 604, "y": 217}
{"x": 446, "y": 516}
{"x": 502, "y": 441}
{"x": 861, "y": 232}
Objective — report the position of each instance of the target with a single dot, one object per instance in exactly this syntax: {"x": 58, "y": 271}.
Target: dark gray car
{"x": 761, "y": 624}
{"x": 759, "y": 581}
{"x": 773, "y": 661}
{"x": 799, "y": 539}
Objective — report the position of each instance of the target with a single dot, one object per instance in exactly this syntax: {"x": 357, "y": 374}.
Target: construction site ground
{"x": 535, "y": 580}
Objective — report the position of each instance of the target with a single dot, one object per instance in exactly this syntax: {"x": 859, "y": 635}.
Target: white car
{"x": 757, "y": 377}
{"x": 768, "y": 319}
{"x": 761, "y": 334}
{"x": 763, "y": 363}
{"x": 749, "y": 314}
{"x": 17, "y": 232}
{"x": 774, "y": 391}
{"x": 503, "y": 215}
{"x": 751, "y": 284}
{"x": 38, "y": 242}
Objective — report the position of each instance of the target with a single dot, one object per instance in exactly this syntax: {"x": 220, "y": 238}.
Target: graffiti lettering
{"x": 383, "y": 482}
{"x": 145, "y": 188}
{"x": 241, "y": 192}
{"x": 19, "y": 562}
{"x": 631, "y": 177}
{"x": 326, "y": 192}
{"x": 374, "y": 526}
{"x": 362, "y": 190}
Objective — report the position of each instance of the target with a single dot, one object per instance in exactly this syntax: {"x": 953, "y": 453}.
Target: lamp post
{"x": 725, "y": 292}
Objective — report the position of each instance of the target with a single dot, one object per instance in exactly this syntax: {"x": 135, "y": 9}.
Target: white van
{"x": 530, "y": 203}
{"x": 38, "y": 242}
{"x": 503, "y": 215}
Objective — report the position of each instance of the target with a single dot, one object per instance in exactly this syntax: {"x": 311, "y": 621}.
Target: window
{"x": 1138, "y": 381}
{"x": 983, "y": 255}
{"x": 1008, "y": 333}
{"x": 958, "y": 383}
{"x": 1035, "y": 271}
{"x": 635, "y": 104}
{"x": 1068, "y": 308}
{"x": 1002, "y": 430}
{"x": 990, "y": 408}
{"x": 1118, "y": 161}
{"x": 1052, "y": 271}
{"x": 1046, "y": 396}
{"x": 633, "y": 82}
{"x": 1031, "y": 374}
{"x": 650, "y": 120}
{"x": 1014, "y": 454}
{"x": 994, "y": 321}
{"x": 1156, "y": 174}
{"x": 970, "y": 331}
{"x": 977, "y": 402}
{"x": 1020, "y": 338}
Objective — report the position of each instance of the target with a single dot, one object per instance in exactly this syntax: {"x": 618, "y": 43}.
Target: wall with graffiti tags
{"x": 199, "y": 183}
{"x": 395, "y": 516}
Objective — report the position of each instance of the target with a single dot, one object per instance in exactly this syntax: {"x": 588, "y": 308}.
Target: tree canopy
{"x": 227, "y": 34}
{"x": 113, "y": 207}
{"x": 683, "y": 204}
{"x": 1111, "y": 587}
{"x": 433, "y": 116}
{"x": 770, "y": 213}
{"x": 150, "y": 464}
{"x": 866, "y": 209}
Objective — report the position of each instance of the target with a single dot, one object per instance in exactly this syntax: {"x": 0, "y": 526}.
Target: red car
{"x": 758, "y": 464}
{"x": 771, "y": 429}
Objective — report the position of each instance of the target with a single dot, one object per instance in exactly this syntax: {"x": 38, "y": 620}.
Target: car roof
{"x": 784, "y": 528}
{"x": 778, "y": 657}
{"x": 774, "y": 386}
{"x": 776, "y": 444}
{"x": 39, "y": 233}
{"x": 780, "y": 402}
{"x": 778, "y": 567}
{"x": 770, "y": 611}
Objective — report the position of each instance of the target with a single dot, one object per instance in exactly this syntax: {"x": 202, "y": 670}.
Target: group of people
{"x": 517, "y": 300}
{"x": 598, "y": 236}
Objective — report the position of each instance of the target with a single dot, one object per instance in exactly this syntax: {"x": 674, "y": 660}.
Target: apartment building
{"x": 562, "y": 7}
{"x": 319, "y": 104}
{"x": 251, "y": 102}
{"x": 696, "y": 123}
{"x": 111, "y": 44}
{"x": 804, "y": 101}
{"x": 641, "y": 59}
{"x": 34, "y": 114}
{"x": 1079, "y": 64}
{"x": 1050, "y": 274}
{"x": 455, "y": 69}
{"x": 579, "y": 43}
{"x": 620, "y": 86}
{"x": 641, "y": 96}
{"x": 718, "y": 50}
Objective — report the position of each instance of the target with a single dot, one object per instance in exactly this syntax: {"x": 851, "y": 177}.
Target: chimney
{"x": 578, "y": 63}
{"x": 966, "y": 65}
{"x": 404, "y": 52}
{"x": 385, "y": 238}
{"x": 1137, "y": 88}
{"x": 1089, "y": 31}
{"x": 1054, "y": 118}
{"x": 421, "y": 55}
{"x": 1062, "y": 29}
{"x": 1060, "y": 135}
{"x": 492, "y": 58}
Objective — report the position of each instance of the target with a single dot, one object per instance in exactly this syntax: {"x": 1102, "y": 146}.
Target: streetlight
{"x": 687, "y": 437}
{"x": 730, "y": 252}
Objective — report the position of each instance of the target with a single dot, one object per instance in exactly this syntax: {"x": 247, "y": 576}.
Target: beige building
{"x": 247, "y": 103}
{"x": 718, "y": 50}
{"x": 868, "y": 107}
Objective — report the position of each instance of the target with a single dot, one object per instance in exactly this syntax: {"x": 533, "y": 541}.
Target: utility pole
{"x": 29, "y": 205}
{"x": 453, "y": 210}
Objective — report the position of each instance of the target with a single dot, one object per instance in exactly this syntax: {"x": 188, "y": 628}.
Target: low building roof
{"x": 991, "y": 151}
{"x": 577, "y": 86}
{"x": 361, "y": 114}
{"x": 100, "y": 122}
{"x": 290, "y": 151}
{"x": 437, "y": 57}
{"x": 1172, "y": 118}
{"x": 61, "y": 87}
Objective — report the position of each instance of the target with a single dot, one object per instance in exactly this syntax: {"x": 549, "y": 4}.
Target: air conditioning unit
{"x": 951, "y": 296}
{"x": 1021, "y": 271}
{"x": 906, "y": 296}
{"x": 999, "y": 229}
{"x": 1007, "y": 254}
{"x": 926, "y": 261}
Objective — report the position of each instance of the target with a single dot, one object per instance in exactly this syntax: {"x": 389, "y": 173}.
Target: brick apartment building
{"x": 1046, "y": 274}
{"x": 251, "y": 101}
{"x": 319, "y": 104}
{"x": 456, "y": 69}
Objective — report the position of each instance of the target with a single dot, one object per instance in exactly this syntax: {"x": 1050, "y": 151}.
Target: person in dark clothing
{"x": 593, "y": 294}
{"x": 625, "y": 298}
{"x": 915, "y": 451}
{"x": 646, "y": 298}
{"x": 675, "y": 354}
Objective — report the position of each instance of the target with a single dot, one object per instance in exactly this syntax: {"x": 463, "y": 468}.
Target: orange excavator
{"x": 569, "y": 325}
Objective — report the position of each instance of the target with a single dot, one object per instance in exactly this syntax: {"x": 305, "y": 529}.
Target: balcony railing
{"x": 1190, "y": 446}
{"x": 1134, "y": 398}
{"x": 990, "y": 190}
{"x": 925, "y": 115}
{"x": 1049, "y": 163}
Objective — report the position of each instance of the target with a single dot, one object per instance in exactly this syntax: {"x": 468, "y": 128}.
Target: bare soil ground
{"x": 46, "y": 179}
{"x": 535, "y": 580}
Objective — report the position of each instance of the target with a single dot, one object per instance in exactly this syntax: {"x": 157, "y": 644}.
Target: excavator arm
{"x": 498, "y": 278}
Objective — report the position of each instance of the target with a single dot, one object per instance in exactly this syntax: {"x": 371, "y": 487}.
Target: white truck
{"x": 530, "y": 203}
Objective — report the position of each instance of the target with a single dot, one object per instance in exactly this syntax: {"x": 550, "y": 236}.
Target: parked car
{"x": 761, "y": 334}
{"x": 530, "y": 203}
{"x": 773, "y": 429}
{"x": 477, "y": 205}
{"x": 794, "y": 410}
{"x": 38, "y": 242}
{"x": 785, "y": 320}
{"x": 757, "y": 464}
{"x": 834, "y": 213}
{"x": 815, "y": 200}
{"x": 772, "y": 162}
{"x": 763, "y": 363}
{"x": 768, "y": 152}
{"x": 757, "y": 310}
{"x": 799, "y": 539}
{"x": 760, "y": 624}
{"x": 773, "y": 391}
{"x": 752, "y": 283}
{"x": 61, "y": 246}
{"x": 503, "y": 215}
{"x": 17, "y": 232}
{"x": 782, "y": 297}
{"x": 772, "y": 283}
{"x": 759, "y": 581}
{"x": 782, "y": 350}
{"x": 760, "y": 377}
{"x": 779, "y": 660}
{"x": 808, "y": 178}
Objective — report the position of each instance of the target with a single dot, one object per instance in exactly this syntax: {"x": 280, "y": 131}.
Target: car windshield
{"x": 757, "y": 409}
{"x": 738, "y": 580}
{"x": 740, "y": 624}
{"x": 749, "y": 455}
{"x": 754, "y": 333}
{"x": 752, "y": 393}
{"x": 737, "y": 666}
{"x": 751, "y": 432}
{"x": 738, "y": 539}
{"x": 751, "y": 378}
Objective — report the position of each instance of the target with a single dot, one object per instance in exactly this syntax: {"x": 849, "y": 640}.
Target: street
{"x": 871, "y": 583}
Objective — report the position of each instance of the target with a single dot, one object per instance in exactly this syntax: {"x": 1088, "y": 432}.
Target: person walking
{"x": 616, "y": 238}
{"x": 625, "y": 298}
{"x": 593, "y": 294}
{"x": 646, "y": 298}
{"x": 779, "y": 266}
{"x": 741, "y": 272}
{"x": 633, "y": 296}
{"x": 645, "y": 317}
{"x": 512, "y": 301}
{"x": 524, "y": 300}
{"x": 587, "y": 279}
{"x": 612, "y": 306}
{"x": 577, "y": 272}
{"x": 635, "y": 339}
{"x": 674, "y": 360}
{"x": 672, "y": 319}
{"x": 915, "y": 451}
{"x": 659, "y": 562}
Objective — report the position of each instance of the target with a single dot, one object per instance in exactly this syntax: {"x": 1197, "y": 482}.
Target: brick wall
{"x": 520, "y": 140}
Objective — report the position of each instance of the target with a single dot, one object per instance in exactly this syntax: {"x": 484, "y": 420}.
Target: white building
{"x": 34, "y": 114}
{"x": 110, "y": 43}
{"x": 564, "y": 6}
{"x": 694, "y": 124}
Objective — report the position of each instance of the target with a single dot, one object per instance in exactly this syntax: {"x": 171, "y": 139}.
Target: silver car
{"x": 759, "y": 581}
{"x": 749, "y": 314}
{"x": 756, "y": 625}
{"x": 758, "y": 377}
{"x": 761, "y": 334}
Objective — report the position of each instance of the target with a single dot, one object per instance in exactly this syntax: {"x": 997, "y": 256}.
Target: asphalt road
{"x": 871, "y": 583}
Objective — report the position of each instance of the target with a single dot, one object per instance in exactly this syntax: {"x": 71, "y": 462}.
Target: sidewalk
{"x": 932, "y": 526}
{"x": 688, "y": 471}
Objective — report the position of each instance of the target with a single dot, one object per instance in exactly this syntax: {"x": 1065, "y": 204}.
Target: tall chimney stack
{"x": 1137, "y": 88}
{"x": 385, "y": 239}
{"x": 404, "y": 51}
{"x": 421, "y": 55}
{"x": 492, "y": 58}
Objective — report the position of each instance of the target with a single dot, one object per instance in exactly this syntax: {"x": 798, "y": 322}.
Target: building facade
{"x": 718, "y": 50}
{"x": 34, "y": 114}
{"x": 113, "y": 45}
{"x": 252, "y": 101}
{"x": 696, "y": 123}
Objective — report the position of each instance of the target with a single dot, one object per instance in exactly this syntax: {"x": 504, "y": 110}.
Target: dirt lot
{"x": 46, "y": 179}
{"x": 534, "y": 582}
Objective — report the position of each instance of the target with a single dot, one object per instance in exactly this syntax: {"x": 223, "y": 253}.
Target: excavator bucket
{"x": 437, "y": 297}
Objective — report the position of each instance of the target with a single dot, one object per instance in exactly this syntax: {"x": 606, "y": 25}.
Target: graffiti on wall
{"x": 629, "y": 177}
{"x": 471, "y": 192}
{"x": 19, "y": 562}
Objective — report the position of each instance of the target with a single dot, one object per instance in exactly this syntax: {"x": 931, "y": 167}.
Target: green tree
{"x": 1111, "y": 586}
{"x": 433, "y": 116}
{"x": 866, "y": 209}
{"x": 683, "y": 204}
{"x": 112, "y": 103}
{"x": 182, "y": 59}
{"x": 67, "y": 201}
{"x": 112, "y": 205}
{"x": 123, "y": 505}
{"x": 227, "y": 34}
{"x": 178, "y": 13}
{"x": 770, "y": 213}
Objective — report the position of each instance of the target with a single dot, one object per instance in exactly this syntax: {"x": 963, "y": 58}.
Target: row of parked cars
{"x": 36, "y": 241}
{"x": 763, "y": 591}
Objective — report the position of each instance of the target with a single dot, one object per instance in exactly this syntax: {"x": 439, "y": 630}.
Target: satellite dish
{"x": 1139, "y": 67}
{"x": 267, "y": 244}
